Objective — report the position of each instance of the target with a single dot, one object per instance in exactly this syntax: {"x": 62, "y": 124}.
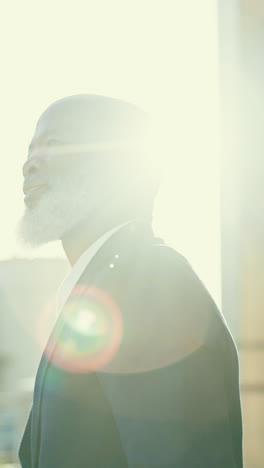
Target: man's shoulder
{"x": 168, "y": 256}
{"x": 158, "y": 260}
{"x": 169, "y": 284}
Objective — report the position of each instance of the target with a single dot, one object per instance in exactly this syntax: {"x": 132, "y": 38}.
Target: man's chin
{"x": 54, "y": 215}
{"x": 45, "y": 223}
{"x": 38, "y": 227}
{"x": 31, "y": 237}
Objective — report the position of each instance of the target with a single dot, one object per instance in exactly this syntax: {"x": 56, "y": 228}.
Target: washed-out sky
{"x": 162, "y": 56}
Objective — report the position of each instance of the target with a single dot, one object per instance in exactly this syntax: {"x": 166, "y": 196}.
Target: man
{"x": 140, "y": 369}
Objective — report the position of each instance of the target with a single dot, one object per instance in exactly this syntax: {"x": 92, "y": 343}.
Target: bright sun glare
{"x": 160, "y": 57}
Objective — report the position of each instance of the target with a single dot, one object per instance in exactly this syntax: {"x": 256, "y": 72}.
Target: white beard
{"x": 60, "y": 209}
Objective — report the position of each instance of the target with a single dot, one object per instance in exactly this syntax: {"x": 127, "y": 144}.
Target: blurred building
{"x": 27, "y": 287}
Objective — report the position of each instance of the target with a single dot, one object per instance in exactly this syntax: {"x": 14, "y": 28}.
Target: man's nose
{"x": 32, "y": 165}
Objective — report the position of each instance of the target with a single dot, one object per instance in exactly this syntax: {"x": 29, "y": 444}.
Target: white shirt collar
{"x": 78, "y": 268}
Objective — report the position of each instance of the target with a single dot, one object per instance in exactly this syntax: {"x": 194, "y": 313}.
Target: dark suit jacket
{"x": 169, "y": 397}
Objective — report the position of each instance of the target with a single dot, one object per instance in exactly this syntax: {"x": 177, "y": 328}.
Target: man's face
{"x": 61, "y": 182}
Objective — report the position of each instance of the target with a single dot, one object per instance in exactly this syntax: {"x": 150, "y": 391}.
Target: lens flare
{"x": 88, "y": 332}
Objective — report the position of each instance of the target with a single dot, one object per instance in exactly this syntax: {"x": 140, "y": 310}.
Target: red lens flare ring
{"x": 88, "y": 333}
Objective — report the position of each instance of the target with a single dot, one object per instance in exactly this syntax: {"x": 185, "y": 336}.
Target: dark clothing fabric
{"x": 169, "y": 396}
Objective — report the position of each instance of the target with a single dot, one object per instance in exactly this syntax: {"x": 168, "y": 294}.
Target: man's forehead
{"x": 92, "y": 118}
{"x": 62, "y": 121}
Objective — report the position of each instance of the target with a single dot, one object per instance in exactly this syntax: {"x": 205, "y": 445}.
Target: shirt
{"x": 78, "y": 268}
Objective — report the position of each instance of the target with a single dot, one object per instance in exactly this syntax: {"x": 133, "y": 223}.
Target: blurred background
{"x": 198, "y": 69}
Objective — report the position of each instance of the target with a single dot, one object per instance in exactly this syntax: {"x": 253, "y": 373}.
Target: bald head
{"x": 98, "y": 121}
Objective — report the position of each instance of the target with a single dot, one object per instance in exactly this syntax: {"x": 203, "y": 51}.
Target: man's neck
{"x": 83, "y": 235}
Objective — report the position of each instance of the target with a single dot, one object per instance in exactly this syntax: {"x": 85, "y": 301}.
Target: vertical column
{"x": 230, "y": 199}
{"x": 242, "y": 77}
{"x": 252, "y": 226}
